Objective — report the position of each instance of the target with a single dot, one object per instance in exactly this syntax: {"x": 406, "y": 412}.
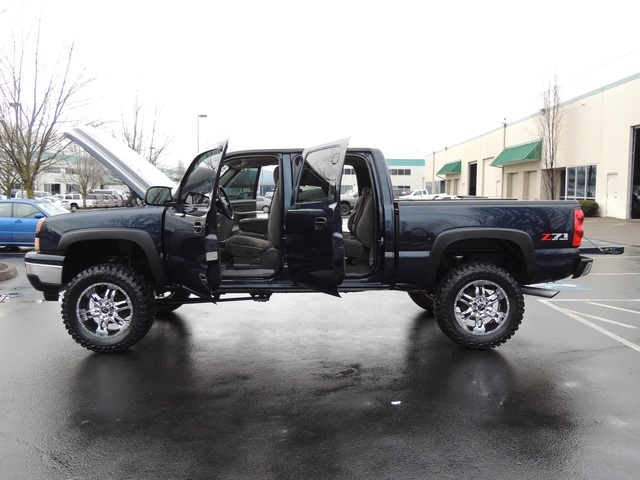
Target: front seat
{"x": 252, "y": 251}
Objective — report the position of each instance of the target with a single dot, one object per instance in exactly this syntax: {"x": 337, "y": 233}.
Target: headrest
{"x": 276, "y": 176}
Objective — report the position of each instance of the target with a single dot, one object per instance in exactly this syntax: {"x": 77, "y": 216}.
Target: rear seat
{"x": 361, "y": 225}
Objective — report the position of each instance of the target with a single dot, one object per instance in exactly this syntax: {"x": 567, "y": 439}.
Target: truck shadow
{"x": 437, "y": 407}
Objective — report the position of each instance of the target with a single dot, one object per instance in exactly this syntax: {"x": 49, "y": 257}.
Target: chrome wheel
{"x": 481, "y": 307}
{"x": 104, "y": 310}
{"x": 108, "y": 308}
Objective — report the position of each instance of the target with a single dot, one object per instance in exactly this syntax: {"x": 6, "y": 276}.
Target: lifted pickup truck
{"x": 468, "y": 262}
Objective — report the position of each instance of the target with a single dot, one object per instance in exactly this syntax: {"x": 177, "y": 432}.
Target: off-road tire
{"x": 108, "y": 308}
{"x": 479, "y": 305}
{"x": 423, "y": 301}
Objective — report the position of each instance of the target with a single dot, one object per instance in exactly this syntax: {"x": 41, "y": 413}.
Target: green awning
{"x": 451, "y": 167}
{"x": 519, "y": 153}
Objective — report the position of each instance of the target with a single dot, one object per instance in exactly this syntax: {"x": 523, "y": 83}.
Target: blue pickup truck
{"x": 466, "y": 261}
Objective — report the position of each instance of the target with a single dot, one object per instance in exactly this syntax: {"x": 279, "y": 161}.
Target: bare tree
{"x": 84, "y": 172}
{"x": 152, "y": 145}
{"x": 33, "y": 103}
{"x": 549, "y": 123}
{"x": 8, "y": 177}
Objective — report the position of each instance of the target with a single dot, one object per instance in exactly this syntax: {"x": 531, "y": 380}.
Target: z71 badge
{"x": 554, "y": 237}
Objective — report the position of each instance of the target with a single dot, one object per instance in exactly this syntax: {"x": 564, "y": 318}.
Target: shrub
{"x": 589, "y": 207}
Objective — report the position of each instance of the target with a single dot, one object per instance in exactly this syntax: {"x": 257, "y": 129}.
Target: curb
{"x": 7, "y": 271}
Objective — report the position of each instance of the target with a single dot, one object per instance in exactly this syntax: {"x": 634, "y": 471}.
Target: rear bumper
{"x": 584, "y": 267}
{"x": 44, "y": 273}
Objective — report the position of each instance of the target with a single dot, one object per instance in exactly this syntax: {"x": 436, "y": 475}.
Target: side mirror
{"x": 158, "y": 196}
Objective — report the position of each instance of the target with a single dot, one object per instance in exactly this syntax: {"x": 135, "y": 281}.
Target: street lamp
{"x": 199, "y": 117}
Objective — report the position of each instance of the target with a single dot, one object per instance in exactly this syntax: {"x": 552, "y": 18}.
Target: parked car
{"x": 262, "y": 203}
{"x": 19, "y": 218}
{"x": 419, "y": 194}
{"x": 74, "y": 200}
{"x": 348, "y": 202}
{"x": 94, "y": 201}
{"x": 108, "y": 199}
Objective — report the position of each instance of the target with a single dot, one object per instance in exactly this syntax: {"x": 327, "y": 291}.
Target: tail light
{"x": 38, "y": 227}
{"x": 578, "y": 227}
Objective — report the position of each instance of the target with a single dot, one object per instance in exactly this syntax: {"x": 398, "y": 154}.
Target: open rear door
{"x": 314, "y": 241}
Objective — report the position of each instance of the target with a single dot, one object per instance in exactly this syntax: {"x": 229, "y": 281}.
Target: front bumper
{"x": 584, "y": 267}
{"x": 44, "y": 272}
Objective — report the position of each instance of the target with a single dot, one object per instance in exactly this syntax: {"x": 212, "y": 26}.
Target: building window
{"x": 348, "y": 171}
{"x": 579, "y": 183}
{"x": 399, "y": 171}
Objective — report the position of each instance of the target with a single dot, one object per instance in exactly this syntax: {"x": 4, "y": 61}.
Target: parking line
{"x": 614, "y": 308}
{"x": 593, "y": 300}
{"x": 597, "y": 328}
{"x": 620, "y": 324}
{"x": 612, "y": 274}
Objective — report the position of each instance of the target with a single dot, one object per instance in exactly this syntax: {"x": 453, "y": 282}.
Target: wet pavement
{"x": 311, "y": 386}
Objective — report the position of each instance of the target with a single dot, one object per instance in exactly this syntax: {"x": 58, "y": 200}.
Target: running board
{"x": 539, "y": 292}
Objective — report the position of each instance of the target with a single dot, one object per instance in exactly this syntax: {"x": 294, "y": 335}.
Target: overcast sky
{"x": 405, "y": 76}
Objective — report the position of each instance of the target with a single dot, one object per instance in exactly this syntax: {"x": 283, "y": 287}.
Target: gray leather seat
{"x": 361, "y": 224}
{"x": 256, "y": 251}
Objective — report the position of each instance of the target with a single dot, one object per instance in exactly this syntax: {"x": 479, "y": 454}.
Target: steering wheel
{"x": 224, "y": 204}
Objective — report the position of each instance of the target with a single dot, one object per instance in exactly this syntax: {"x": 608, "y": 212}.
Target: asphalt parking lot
{"x": 311, "y": 386}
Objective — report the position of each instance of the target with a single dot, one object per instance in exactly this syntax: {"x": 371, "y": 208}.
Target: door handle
{"x": 198, "y": 227}
{"x": 320, "y": 223}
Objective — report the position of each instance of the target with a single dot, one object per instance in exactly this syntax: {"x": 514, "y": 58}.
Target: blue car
{"x": 19, "y": 217}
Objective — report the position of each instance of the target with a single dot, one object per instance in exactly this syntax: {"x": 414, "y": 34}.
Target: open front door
{"x": 190, "y": 225}
{"x": 313, "y": 239}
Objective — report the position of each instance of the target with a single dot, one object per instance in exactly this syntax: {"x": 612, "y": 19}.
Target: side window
{"x": 24, "y": 210}
{"x": 319, "y": 177}
{"x": 5, "y": 209}
{"x": 242, "y": 185}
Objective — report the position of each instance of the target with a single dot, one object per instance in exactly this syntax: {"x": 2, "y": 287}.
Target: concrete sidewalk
{"x": 612, "y": 230}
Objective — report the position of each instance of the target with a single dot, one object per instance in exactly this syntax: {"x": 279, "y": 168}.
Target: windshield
{"x": 52, "y": 208}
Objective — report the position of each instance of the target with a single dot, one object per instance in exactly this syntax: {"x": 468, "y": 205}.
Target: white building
{"x": 598, "y": 158}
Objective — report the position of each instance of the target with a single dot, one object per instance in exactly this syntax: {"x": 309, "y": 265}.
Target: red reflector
{"x": 578, "y": 227}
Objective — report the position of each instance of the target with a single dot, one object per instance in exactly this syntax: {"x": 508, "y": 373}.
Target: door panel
{"x": 313, "y": 239}
{"x": 191, "y": 240}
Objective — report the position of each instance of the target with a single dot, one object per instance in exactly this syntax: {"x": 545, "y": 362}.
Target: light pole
{"x": 199, "y": 117}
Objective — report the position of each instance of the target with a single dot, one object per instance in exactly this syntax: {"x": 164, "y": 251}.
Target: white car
{"x": 420, "y": 194}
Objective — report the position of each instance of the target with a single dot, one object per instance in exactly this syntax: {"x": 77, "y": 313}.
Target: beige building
{"x": 598, "y": 157}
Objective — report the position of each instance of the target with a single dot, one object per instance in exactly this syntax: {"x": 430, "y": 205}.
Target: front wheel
{"x": 345, "y": 209}
{"x": 108, "y": 308}
{"x": 479, "y": 305}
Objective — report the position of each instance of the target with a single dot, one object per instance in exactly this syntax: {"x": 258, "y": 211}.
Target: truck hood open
{"x": 118, "y": 158}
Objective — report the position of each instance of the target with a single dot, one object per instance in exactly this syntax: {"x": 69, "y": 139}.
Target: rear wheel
{"x": 345, "y": 209}
{"x": 108, "y": 308}
{"x": 479, "y": 305}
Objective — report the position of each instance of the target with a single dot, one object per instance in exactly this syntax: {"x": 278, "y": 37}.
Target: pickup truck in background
{"x": 419, "y": 194}
{"x": 348, "y": 202}
{"x": 468, "y": 262}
